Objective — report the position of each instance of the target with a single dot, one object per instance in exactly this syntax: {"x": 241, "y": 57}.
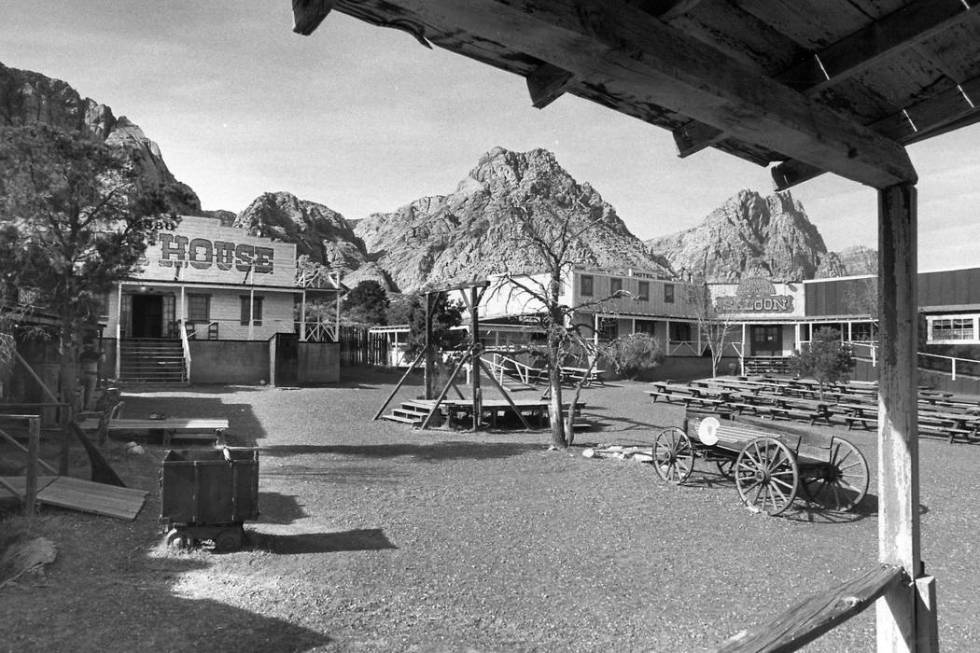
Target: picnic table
{"x": 582, "y": 373}
{"x": 950, "y": 424}
{"x": 786, "y": 406}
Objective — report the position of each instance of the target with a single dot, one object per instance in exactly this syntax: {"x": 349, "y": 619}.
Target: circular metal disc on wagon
{"x": 708, "y": 431}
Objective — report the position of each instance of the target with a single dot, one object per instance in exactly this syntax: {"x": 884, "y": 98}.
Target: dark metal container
{"x": 208, "y": 494}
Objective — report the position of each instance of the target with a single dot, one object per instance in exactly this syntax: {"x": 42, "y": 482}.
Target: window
{"x": 952, "y": 329}
{"x": 680, "y": 331}
{"x": 643, "y": 293}
{"x": 586, "y": 285}
{"x": 198, "y": 308}
{"x": 608, "y": 329}
{"x": 615, "y": 286}
{"x": 668, "y": 293}
{"x": 256, "y": 310}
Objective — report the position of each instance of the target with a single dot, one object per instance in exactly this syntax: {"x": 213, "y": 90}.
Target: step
{"x": 402, "y": 420}
{"x": 413, "y": 414}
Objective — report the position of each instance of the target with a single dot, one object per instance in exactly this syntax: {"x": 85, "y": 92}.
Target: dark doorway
{"x": 147, "y": 316}
{"x": 287, "y": 359}
{"x": 766, "y": 340}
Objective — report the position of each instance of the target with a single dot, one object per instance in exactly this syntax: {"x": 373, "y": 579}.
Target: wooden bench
{"x": 865, "y": 422}
{"x": 949, "y": 432}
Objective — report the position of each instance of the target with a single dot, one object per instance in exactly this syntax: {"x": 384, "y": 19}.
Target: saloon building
{"x": 212, "y": 304}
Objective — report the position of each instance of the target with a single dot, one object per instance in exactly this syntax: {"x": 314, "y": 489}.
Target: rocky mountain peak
{"x": 750, "y": 235}
{"x": 472, "y": 232}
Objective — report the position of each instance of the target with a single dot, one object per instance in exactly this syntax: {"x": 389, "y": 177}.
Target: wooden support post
{"x": 476, "y": 364}
{"x": 398, "y": 385}
{"x": 898, "y": 451}
{"x": 33, "y": 447}
{"x": 429, "y": 372}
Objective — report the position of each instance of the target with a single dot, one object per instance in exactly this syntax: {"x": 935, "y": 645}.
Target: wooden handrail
{"x": 811, "y": 618}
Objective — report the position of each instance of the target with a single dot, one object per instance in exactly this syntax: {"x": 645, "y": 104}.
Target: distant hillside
{"x": 27, "y": 97}
{"x": 752, "y": 235}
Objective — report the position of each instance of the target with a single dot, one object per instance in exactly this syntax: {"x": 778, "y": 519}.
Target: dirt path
{"x": 374, "y": 537}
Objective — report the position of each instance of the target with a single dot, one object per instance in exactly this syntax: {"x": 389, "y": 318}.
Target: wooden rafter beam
{"x": 643, "y": 61}
{"x": 308, "y": 14}
{"x": 547, "y": 83}
{"x": 850, "y": 56}
{"x": 913, "y": 23}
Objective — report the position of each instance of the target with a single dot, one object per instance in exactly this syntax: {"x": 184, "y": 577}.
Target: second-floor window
{"x": 668, "y": 293}
{"x": 643, "y": 293}
{"x": 586, "y": 285}
{"x": 615, "y": 285}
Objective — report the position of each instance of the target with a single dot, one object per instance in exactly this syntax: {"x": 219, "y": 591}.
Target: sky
{"x": 364, "y": 120}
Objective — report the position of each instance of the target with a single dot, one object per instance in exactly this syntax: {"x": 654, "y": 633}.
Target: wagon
{"x": 769, "y": 469}
{"x": 208, "y": 495}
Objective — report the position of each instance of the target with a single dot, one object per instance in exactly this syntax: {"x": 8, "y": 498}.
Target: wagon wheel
{"x": 766, "y": 476}
{"x": 673, "y": 455}
{"x": 174, "y": 539}
{"x": 229, "y": 539}
{"x": 841, "y": 483}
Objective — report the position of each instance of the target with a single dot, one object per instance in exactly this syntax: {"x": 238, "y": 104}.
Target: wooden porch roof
{"x": 808, "y": 85}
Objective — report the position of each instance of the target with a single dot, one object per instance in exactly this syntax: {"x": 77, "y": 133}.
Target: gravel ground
{"x": 375, "y": 537}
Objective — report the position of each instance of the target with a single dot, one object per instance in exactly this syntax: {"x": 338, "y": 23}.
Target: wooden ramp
{"x": 84, "y": 496}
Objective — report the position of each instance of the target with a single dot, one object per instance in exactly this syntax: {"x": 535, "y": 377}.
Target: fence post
{"x": 953, "y": 361}
{"x": 30, "y": 482}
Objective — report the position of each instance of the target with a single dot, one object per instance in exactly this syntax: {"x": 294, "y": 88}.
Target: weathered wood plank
{"x": 848, "y": 57}
{"x": 76, "y": 494}
{"x": 812, "y": 617}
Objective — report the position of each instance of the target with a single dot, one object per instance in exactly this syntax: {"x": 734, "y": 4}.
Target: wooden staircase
{"x": 412, "y": 413}
{"x": 152, "y": 360}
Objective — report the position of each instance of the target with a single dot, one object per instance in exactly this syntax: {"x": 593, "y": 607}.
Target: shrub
{"x": 633, "y": 355}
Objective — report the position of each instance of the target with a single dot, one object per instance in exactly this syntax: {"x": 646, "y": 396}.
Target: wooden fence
{"x": 358, "y": 347}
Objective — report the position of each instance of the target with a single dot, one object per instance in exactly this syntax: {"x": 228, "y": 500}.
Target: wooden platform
{"x": 197, "y": 428}
{"x": 495, "y": 412}
{"x": 84, "y": 496}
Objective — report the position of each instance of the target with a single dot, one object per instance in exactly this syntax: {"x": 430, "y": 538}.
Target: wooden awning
{"x": 810, "y": 85}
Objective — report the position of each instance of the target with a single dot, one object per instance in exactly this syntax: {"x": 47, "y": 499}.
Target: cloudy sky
{"x": 364, "y": 119}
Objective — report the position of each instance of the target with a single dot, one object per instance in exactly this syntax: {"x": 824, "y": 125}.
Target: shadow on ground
{"x": 362, "y": 539}
{"x": 276, "y": 508}
{"x": 425, "y": 452}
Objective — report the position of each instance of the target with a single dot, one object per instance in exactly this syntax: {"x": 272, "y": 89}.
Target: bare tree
{"x": 553, "y": 241}
{"x": 714, "y": 326}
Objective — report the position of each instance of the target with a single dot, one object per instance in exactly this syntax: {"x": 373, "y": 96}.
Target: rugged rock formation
{"x": 475, "y": 231}
{"x": 319, "y": 232}
{"x": 855, "y": 260}
{"x": 28, "y": 97}
{"x": 751, "y": 235}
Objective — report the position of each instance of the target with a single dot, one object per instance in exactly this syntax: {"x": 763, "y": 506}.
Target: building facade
{"x": 217, "y": 305}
